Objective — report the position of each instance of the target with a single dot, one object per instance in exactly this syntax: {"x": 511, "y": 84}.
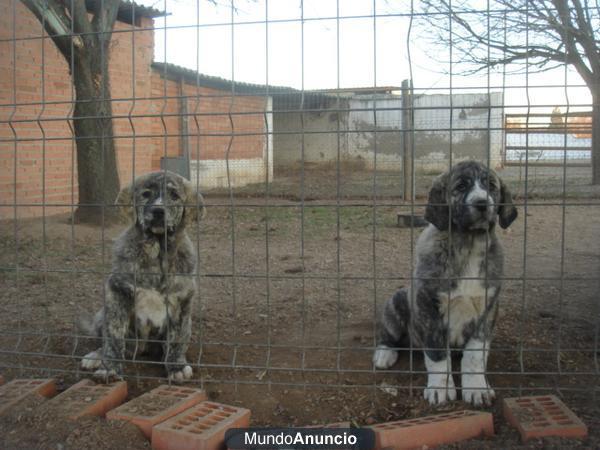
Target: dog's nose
{"x": 480, "y": 205}
{"x": 158, "y": 212}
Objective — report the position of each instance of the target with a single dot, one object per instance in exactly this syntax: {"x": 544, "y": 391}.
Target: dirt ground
{"x": 285, "y": 319}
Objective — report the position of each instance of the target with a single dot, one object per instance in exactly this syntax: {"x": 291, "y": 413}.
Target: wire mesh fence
{"x": 311, "y": 129}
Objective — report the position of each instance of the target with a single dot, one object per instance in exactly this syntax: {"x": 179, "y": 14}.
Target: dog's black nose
{"x": 480, "y": 205}
{"x": 158, "y": 212}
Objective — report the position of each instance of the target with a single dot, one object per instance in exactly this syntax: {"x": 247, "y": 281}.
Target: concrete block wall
{"x": 371, "y": 132}
{"x": 466, "y": 126}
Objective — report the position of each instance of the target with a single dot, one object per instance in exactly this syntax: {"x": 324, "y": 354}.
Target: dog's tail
{"x": 90, "y": 326}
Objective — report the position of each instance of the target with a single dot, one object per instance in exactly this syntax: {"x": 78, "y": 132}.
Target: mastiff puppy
{"x": 151, "y": 290}
{"x": 453, "y": 300}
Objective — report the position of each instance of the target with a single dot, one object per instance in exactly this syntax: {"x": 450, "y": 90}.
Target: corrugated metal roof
{"x": 284, "y": 98}
{"x": 175, "y": 72}
{"x": 129, "y": 10}
{"x": 369, "y": 90}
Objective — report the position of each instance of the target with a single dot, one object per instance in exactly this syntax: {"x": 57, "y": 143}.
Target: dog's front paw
{"x": 476, "y": 390}
{"x": 440, "y": 389}
{"x": 91, "y": 361}
{"x": 180, "y": 374}
{"x": 384, "y": 357}
{"x": 107, "y": 375}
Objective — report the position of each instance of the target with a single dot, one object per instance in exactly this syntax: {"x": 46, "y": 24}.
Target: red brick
{"x": 157, "y": 406}
{"x": 433, "y": 430}
{"x": 87, "y": 398}
{"x": 201, "y": 427}
{"x": 1, "y": 380}
{"x": 540, "y": 416}
{"x": 15, "y": 391}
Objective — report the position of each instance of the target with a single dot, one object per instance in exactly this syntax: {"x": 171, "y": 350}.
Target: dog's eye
{"x": 146, "y": 194}
{"x": 174, "y": 195}
{"x": 462, "y": 186}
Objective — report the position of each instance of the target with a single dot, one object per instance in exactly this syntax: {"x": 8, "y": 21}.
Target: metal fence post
{"x": 407, "y": 128}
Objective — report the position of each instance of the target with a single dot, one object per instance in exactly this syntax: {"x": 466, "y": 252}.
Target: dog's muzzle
{"x": 156, "y": 219}
{"x": 480, "y": 213}
{"x": 158, "y": 214}
{"x": 481, "y": 205}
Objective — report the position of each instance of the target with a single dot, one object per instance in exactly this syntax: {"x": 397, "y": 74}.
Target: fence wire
{"x": 306, "y": 189}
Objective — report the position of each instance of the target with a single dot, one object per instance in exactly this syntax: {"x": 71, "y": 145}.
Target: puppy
{"x": 453, "y": 300}
{"x": 151, "y": 290}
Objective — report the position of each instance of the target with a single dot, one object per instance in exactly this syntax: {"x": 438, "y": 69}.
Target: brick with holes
{"x": 433, "y": 430}
{"x": 157, "y": 406}
{"x": 544, "y": 415}
{"x": 16, "y": 391}
{"x": 202, "y": 427}
{"x": 87, "y": 398}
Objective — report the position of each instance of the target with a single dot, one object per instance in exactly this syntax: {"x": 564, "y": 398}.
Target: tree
{"x": 83, "y": 35}
{"x": 538, "y": 35}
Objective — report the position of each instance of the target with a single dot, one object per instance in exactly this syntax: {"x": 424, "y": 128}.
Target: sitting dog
{"x": 453, "y": 300}
{"x": 151, "y": 290}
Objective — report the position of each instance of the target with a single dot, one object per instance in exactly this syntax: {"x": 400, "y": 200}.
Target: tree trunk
{"x": 98, "y": 176}
{"x": 596, "y": 134}
{"x": 87, "y": 57}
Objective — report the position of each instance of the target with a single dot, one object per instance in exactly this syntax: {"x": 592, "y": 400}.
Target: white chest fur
{"x": 151, "y": 308}
{"x": 468, "y": 300}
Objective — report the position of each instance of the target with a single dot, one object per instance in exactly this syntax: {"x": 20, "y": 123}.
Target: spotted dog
{"x": 453, "y": 300}
{"x": 151, "y": 290}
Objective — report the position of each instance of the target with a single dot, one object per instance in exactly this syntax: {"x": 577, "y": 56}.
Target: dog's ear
{"x": 124, "y": 203}
{"x": 507, "y": 213}
{"x": 436, "y": 212}
{"x": 194, "y": 203}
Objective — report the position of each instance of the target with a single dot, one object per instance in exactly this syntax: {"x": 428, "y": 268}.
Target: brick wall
{"x": 218, "y": 126}
{"x": 36, "y": 102}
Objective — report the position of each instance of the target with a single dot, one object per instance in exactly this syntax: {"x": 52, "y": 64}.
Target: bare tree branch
{"x": 56, "y": 22}
{"x": 569, "y": 40}
{"x": 557, "y": 33}
{"x": 586, "y": 37}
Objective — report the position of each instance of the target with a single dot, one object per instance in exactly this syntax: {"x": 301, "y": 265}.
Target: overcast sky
{"x": 368, "y": 52}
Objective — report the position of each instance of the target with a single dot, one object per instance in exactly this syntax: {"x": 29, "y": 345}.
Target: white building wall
{"x": 371, "y": 132}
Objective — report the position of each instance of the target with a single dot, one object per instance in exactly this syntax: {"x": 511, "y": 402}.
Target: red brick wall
{"x": 208, "y": 111}
{"x": 36, "y": 101}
